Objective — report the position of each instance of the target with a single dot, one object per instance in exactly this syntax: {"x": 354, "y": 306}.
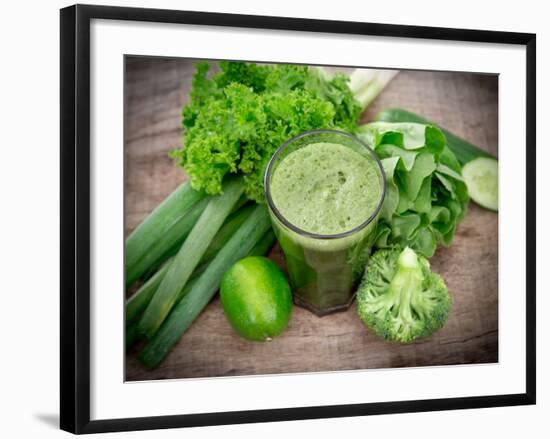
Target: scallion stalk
{"x": 174, "y": 236}
{"x": 176, "y": 206}
{"x": 189, "y": 256}
{"x": 141, "y": 298}
{"x": 196, "y": 298}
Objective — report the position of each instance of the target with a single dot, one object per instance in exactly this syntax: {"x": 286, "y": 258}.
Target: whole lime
{"x": 256, "y": 298}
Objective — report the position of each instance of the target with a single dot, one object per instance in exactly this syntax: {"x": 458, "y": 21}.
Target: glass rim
{"x": 280, "y": 216}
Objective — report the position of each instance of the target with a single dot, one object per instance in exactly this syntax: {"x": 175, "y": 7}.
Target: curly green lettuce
{"x": 238, "y": 118}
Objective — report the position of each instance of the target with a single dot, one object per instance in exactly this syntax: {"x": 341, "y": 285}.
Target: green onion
{"x": 141, "y": 298}
{"x": 137, "y": 303}
{"x": 230, "y": 226}
{"x": 178, "y": 240}
{"x": 264, "y": 244}
{"x": 176, "y": 206}
{"x": 175, "y": 235}
{"x": 189, "y": 256}
{"x": 196, "y": 298}
{"x": 132, "y": 334}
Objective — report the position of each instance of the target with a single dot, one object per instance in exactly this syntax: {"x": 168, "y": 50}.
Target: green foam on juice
{"x": 326, "y": 188}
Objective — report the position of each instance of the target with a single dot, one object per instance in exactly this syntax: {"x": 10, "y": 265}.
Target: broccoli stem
{"x": 406, "y": 282}
{"x": 407, "y": 259}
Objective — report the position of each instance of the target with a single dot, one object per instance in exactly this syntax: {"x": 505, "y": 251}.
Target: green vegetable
{"x": 263, "y": 246}
{"x": 230, "y": 226}
{"x": 139, "y": 300}
{"x": 189, "y": 256}
{"x": 426, "y": 196}
{"x": 132, "y": 334}
{"x": 170, "y": 242}
{"x": 233, "y": 124}
{"x": 481, "y": 177}
{"x": 194, "y": 300}
{"x": 400, "y": 299}
{"x": 256, "y": 298}
{"x": 175, "y": 207}
{"x": 178, "y": 241}
{"x": 366, "y": 84}
{"x": 463, "y": 150}
{"x": 174, "y": 236}
{"x": 238, "y": 118}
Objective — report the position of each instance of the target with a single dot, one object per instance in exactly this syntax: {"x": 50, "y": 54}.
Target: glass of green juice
{"x": 325, "y": 189}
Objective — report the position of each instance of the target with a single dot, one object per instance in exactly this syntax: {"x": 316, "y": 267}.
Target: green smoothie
{"x": 326, "y": 188}
{"x": 324, "y": 192}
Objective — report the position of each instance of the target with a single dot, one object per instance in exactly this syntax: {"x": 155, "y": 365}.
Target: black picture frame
{"x": 75, "y": 217}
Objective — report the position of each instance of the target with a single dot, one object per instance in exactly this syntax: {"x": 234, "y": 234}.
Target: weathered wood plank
{"x": 465, "y": 104}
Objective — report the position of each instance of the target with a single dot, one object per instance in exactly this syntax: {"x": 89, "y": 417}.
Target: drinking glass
{"x": 324, "y": 269}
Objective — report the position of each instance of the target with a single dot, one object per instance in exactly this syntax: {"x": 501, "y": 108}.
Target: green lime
{"x": 256, "y": 298}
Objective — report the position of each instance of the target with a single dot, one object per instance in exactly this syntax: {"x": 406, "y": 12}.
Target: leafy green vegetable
{"x": 239, "y": 117}
{"x": 235, "y": 121}
{"x": 400, "y": 299}
{"x": 426, "y": 196}
{"x": 463, "y": 150}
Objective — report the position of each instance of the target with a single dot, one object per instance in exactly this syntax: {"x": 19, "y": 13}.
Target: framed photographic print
{"x": 292, "y": 219}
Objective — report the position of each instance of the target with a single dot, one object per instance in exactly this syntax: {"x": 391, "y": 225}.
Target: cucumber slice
{"x": 481, "y": 178}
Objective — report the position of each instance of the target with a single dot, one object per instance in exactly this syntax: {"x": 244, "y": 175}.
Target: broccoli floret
{"x": 399, "y": 298}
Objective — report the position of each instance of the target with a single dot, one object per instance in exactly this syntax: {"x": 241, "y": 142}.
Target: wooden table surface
{"x": 466, "y": 104}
